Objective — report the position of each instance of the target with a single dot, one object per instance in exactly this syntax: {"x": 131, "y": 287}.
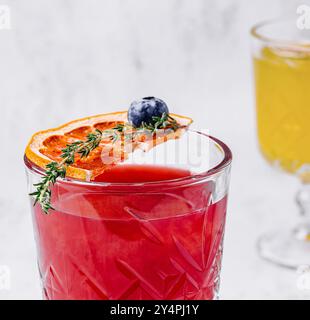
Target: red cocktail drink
{"x": 102, "y": 243}
{"x": 137, "y": 232}
{"x": 128, "y": 229}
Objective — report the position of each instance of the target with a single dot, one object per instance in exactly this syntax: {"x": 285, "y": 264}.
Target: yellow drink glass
{"x": 281, "y": 58}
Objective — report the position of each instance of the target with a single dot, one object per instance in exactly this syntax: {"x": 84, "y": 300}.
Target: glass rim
{"x": 256, "y": 33}
{"x": 220, "y": 167}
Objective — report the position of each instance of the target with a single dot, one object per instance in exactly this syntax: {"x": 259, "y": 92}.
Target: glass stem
{"x": 303, "y": 201}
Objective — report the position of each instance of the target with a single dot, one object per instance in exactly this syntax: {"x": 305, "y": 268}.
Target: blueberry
{"x": 145, "y": 109}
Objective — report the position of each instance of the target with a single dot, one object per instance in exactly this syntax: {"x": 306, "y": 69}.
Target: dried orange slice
{"x": 46, "y": 146}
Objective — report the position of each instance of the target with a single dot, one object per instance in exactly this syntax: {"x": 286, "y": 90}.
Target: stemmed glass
{"x": 281, "y": 57}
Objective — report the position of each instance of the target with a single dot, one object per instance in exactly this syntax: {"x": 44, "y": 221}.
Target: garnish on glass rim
{"x": 55, "y": 170}
{"x": 122, "y": 130}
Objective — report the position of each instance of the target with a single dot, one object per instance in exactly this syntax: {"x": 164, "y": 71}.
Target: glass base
{"x": 290, "y": 249}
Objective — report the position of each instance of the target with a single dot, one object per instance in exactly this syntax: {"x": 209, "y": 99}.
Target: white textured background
{"x": 65, "y": 59}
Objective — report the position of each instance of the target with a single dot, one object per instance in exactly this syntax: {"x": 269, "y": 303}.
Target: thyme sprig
{"x": 54, "y": 170}
{"x": 165, "y": 121}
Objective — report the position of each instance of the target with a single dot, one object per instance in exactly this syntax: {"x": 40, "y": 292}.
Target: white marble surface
{"x": 67, "y": 59}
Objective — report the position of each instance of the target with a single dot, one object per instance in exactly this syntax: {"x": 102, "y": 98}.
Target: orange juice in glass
{"x": 281, "y": 58}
